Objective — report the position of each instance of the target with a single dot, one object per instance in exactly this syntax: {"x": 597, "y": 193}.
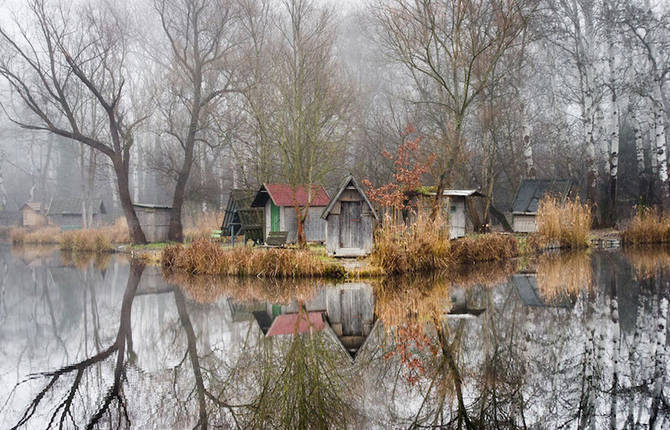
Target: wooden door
{"x": 275, "y": 224}
{"x": 350, "y": 225}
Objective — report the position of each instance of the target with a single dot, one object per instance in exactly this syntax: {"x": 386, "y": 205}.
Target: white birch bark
{"x": 661, "y": 150}
{"x": 527, "y": 148}
{"x": 639, "y": 142}
{"x": 660, "y": 362}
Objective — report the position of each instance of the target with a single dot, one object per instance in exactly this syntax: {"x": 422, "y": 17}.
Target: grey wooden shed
{"x": 154, "y": 220}
{"x": 350, "y": 221}
{"x": 527, "y": 200}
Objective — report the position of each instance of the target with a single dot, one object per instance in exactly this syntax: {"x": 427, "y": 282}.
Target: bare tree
{"x": 202, "y": 38}
{"x": 59, "y": 65}
{"x": 454, "y": 46}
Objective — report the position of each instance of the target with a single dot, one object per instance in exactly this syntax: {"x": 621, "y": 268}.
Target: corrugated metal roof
{"x": 296, "y": 323}
{"x": 458, "y": 193}
{"x": 283, "y": 195}
{"x": 532, "y": 190}
{"x": 151, "y": 206}
{"x": 36, "y": 206}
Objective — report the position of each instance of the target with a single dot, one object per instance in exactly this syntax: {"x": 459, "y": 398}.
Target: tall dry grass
{"x": 647, "y": 226}
{"x": 485, "y": 247}
{"x": 567, "y": 224}
{"x": 201, "y": 226}
{"x": 204, "y": 257}
{"x": 98, "y": 239}
{"x": 417, "y": 247}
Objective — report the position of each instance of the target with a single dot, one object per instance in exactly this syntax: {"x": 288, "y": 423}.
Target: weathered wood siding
{"x": 341, "y": 230}
{"x": 155, "y": 223}
{"x": 457, "y": 218}
{"x": 31, "y": 218}
{"x": 315, "y": 226}
{"x": 524, "y": 223}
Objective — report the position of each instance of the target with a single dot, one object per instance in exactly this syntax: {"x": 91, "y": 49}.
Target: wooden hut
{"x": 350, "y": 221}
{"x": 68, "y": 213}
{"x": 241, "y": 218}
{"x": 456, "y": 205}
{"x": 279, "y": 202}
{"x": 528, "y": 196}
{"x": 33, "y": 214}
{"x": 154, "y": 220}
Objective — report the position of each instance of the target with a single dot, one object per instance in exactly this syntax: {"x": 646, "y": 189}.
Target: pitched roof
{"x": 348, "y": 181}
{"x": 532, "y": 190}
{"x": 73, "y": 207}
{"x": 36, "y": 206}
{"x": 283, "y": 195}
{"x": 458, "y": 193}
{"x": 290, "y": 323}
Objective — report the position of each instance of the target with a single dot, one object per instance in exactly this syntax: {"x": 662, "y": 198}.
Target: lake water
{"x": 563, "y": 341}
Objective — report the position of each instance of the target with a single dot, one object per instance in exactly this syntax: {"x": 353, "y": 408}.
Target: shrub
{"x": 567, "y": 224}
{"x": 204, "y": 257}
{"x": 419, "y": 246}
{"x": 647, "y": 226}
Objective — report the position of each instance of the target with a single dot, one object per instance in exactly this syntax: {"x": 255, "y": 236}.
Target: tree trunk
{"x": 121, "y": 169}
{"x": 528, "y": 150}
{"x": 639, "y": 155}
{"x": 661, "y": 155}
{"x": 613, "y": 137}
{"x": 302, "y": 238}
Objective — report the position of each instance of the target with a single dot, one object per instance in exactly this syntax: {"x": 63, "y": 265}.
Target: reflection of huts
{"x": 527, "y": 288}
{"x": 350, "y": 221}
{"x": 154, "y": 220}
{"x": 456, "y": 205}
{"x": 241, "y": 218}
{"x": 33, "y": 215}
{"x": 69, "y": 212}
{"x": 279, "y": 202}
{"x": 528, "y": 196}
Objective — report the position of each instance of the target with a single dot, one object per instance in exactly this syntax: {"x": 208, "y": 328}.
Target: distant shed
{"x": 350, "y": 221}
{"x": 154, "y": 220}
{"x": 528, "y": 196}
{"x": 33, "y": 215}
{"x": 456, "y": 209}
{"x": 240, "y": 217}
{"x": 69, "y": 212}
{"x": 279, "y": 202}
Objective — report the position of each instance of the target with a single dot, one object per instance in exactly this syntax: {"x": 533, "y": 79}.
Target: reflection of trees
{"x": 121, "y": 349}
{"x": 302, "y": 381}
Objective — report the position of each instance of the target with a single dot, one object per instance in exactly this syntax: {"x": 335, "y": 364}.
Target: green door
{"x": 274, "y": 218}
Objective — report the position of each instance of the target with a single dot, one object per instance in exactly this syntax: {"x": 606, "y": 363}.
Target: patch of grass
{"x": 89, "y": 240}
{"x": 200, "y": 227}
{"x": 567, "y": 224}
{"x": 86, "y": 240}
{"x": 647, "y": 226}
{"x": 204, "y": 257}
{"x": 47, "y": 235}
{"x": 485, "y": 247}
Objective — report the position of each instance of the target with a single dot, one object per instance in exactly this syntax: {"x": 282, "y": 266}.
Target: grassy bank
{"x": 425, "y": 246}
{"x": 204, "y": 257}
{"x": 647, "y": 226}
{"x": 99, "y": 239}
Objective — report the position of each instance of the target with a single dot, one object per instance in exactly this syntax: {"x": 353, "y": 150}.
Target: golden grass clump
{"x": 559, "y": 275}
{"x": 204, "y": 257}
{"x": 417, "y": 247}
{"x": 647, "y": 226}
{"x": 201, "y": 226}
{"x": 47, "y": 235}
{"x": 89, "y": 240}
{"x": 567, "y": 223}
{"x": 485, "y": 247}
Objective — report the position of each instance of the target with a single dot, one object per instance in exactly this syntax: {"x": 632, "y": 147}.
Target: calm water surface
{"x": 571, "y": 341}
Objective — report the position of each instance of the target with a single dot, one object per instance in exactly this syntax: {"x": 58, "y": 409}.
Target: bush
{"x": 567, "y": 224}
{"x": 647, "y": 226}
{"x": 485, "y": 247}
{"x": 204, "y": 257}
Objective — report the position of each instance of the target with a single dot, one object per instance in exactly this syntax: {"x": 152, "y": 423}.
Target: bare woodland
{"x": 176, "y": 102}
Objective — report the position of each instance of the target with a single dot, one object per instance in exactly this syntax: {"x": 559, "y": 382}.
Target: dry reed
{"x": 647, "y": 226}
{"x": 567, "y": 224}
{"x": 420, "y": 246}
{"x": 202, "y": 225}
{"x": 98, "y": 239}
{"x": 204, "y": 257}
{"x": 485, "y": 247}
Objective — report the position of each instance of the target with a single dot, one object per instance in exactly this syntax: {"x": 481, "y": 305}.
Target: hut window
{"x": 453, "y": 208}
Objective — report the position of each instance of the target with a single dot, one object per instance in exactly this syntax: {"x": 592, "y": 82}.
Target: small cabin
{"x": 68, "y": 212}
{"x": 528, "y": 196}
{"x": 350, "y": 221}
{"x": 455, "y": 205}
{"x": 33, "y": 214}
{"x": 279, "y": 203}
{"x": 154, "y": 220}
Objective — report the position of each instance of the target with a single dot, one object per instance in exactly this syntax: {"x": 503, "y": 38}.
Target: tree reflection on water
{"x": 563, "y": 341}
